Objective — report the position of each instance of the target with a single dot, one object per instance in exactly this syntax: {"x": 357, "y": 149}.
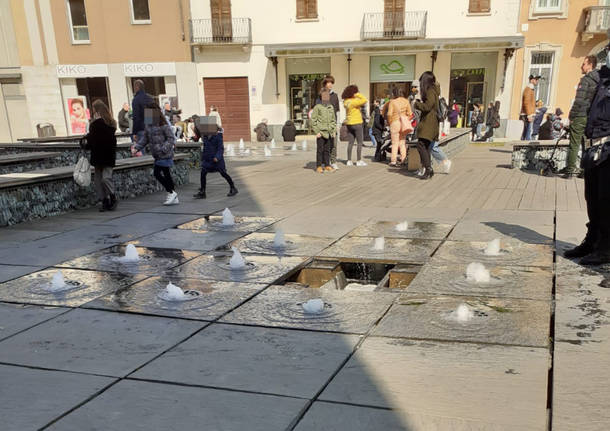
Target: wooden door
{"x": 394, "y": 18}
{"x": 231, "y": 97}
{"x": 222, "y": 27}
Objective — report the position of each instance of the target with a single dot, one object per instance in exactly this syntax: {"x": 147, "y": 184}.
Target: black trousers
{"x": 222, "y": 172}
{"x": 355, "y": 133}
{"x": 597, "y": 195}
{"x": 379, "y": 141}
{"x": 424, "y": 153}
{"x": 164, "y": 176}
{"x": 323, "y": 147}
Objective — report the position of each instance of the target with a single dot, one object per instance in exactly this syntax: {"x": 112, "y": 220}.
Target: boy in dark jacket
{"x": 289, "y": 132}
{"x": 212, "y": 155}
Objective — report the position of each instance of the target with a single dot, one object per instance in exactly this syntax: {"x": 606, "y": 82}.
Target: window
{"x": 140, "y": 14}
{"x": 542, "y": 64}
{"x": 546, "y": 6}
{"x": 78, "y": 21}
{"x": 479, "y": 6}
{"x": 307, "y": 9}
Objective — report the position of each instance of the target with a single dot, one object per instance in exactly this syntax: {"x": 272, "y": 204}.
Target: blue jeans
{"x": 527, "y": 130}
{"x": 373, "y": 140}
{"x": 436, "y": 152}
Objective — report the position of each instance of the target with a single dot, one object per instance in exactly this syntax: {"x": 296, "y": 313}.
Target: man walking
{"x": 328, "y": 83}
{"x": 528, "y": 107}
{"x": 140, "y": 101}
{"x": 580, "y": 108}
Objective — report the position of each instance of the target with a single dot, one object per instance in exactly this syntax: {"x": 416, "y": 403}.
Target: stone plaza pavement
{"x": 109, "y": 354}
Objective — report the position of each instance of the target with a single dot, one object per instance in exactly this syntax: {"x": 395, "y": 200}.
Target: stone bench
{"x": 535, "y": 155}
{"x": 452, "y": 144}
{"x": 10, "y": 163}
{"x": 46, "y": 192}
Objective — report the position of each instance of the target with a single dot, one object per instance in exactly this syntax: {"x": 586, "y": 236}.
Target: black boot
{"x": 598, "y": 257}
{"x": 105, "y": 205}
{"x": 112, "y": 202}
{"x": 429, "y": 173}
{"x": 200, "y": 194}
{"x": 586, "y": 247}
{"x": 232, "y": 192}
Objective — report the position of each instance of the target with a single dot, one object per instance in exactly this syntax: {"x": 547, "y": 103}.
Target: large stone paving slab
{"x": 16, "y": 317}
{"x": 182, "y": 239}
{"x": 8, "y": 272}
{"x": 210, "y": 299}
{"x": 273, "y": 361}
{"x": 493, "y": 320}
{"x": 415, "y": 230}
{"x": 506, "y": 282}
{"x": 151, "y": 222}
{"x": 259, "y": 269}
{"x": 144, "y": 406}
{"x": 448, "y": 386}
{"x": 30, "y": 399}
{"x": 83, "y": 287}
{"x": 96, "y": 342}
{"x": 512, "y": 253}
{"x": 345, "y": 311}
{"x": 395, "y": 250}
{"x": 469, "y": 230}
{"x": 153, "y": 261}
{"x": 295, "y": 245}
{"x": 242, "y": 224}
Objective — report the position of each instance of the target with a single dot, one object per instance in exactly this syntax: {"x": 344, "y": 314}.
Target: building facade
{"x": 558, "y": 35}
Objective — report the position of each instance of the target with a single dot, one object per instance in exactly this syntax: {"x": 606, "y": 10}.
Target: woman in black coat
{"x": 101, "y": 140}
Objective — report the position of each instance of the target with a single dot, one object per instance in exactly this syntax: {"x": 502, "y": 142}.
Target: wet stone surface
{"x": 258, "y": 269}
{"x": 495, "y": 321}
{"x": 295, "y": 245}
{"x": 395, "y": 250}
{"x": 415, "y": 230}
{"x": 17, "y": 317}
{"x": 506, "y": 282}
{"x": 282, "y": 306}
{"x": 183, "y": 239}
{"x": 9, "y": 272}
{"x": 512, "y": 253}
{"x": 471, "y": 230}
{"x": 276, "y": 361}
{"x": 81, "y": 287}
{"x": 209, "y": 301}
{"x": 242, "y": 224}
{"x": 152, "y": 261}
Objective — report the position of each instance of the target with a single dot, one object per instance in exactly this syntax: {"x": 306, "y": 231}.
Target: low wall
{"x": 536, "y": 156}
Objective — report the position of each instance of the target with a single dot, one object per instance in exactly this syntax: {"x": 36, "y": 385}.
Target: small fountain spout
{"x": 227, "y": 218}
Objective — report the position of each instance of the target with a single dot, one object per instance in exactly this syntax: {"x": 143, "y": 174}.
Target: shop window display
{"x": 304, "y": 90}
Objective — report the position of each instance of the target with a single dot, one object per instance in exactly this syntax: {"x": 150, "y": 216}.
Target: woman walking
{"x": 353, "y": 101}
{"x": 160, "y": 140}
{"x": 101, "y": 140}
{"x": 427, "y": 129}
{"x": 399, "y": 107}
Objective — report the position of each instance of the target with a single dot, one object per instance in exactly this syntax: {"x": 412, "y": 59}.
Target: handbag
{"x": 405, "y": 124}
{"x": 82, "y": 172}
{"x": 594, "y": 156}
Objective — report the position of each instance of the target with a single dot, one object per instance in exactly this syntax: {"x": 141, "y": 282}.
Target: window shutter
{"x": 312, "y": 8}
{"x": 479, "y": 6}
{"x": 215, "y": 7}
{"x": 391, "y": 6}
{"x": 301, "y": 9}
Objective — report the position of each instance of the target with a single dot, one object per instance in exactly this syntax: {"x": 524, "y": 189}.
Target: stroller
{"x": 551, "y": 164}
{"x": 386, "y": 139}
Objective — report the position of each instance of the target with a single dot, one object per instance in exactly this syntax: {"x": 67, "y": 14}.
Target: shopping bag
{"x": 82, "y": 172}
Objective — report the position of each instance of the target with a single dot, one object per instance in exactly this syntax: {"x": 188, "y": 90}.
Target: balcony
{"x": 597, "y": 21}
{"x": 392, "y": 25}
{"x": 237, "y": 31}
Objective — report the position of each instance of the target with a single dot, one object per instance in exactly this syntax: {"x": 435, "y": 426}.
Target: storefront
{"x": 159, "y": 80}
{"x": 388, "y": 72}
{"x": 305, "y": 76}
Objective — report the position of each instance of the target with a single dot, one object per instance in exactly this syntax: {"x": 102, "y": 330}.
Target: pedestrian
{"x": 140, "y": 101}
{"x": 399, "y": 112}
{"x": 578, "y": 113}
{"x": 101, "y": 140}
{"x": 454, "y": 114}
{"x": 212, "y": 154}
{"x": 378, "y": 128}
{"x": 427, "y": 129}
{"x": 160, "y": 140}
{"x": 324, "y": 125}
{"x": 352, "y": 101}
{"x": 328, "y": 82}
{"x": 173, "y": 115}
{"x": 214, "y": 113}
{"x": 557, "y": 124}
{"x": 475, "y": 119}
{"x": 492, "y": 121}
{"x": 124, "y": 118}
{"x": 540, "y": 112}
{"x": 289, "y": 131}
{"x": 528, "y": 107}
{"x": 262, "y": 132}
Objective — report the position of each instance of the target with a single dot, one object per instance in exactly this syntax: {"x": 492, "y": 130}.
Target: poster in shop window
{"x": 79, "y": 114}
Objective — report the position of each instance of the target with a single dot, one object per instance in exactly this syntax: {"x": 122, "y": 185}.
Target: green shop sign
{"x": 392, "y": 68}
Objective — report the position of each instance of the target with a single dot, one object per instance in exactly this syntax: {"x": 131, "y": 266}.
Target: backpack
{"x": 598, "y": 119}
{"x": 443, "y": 110}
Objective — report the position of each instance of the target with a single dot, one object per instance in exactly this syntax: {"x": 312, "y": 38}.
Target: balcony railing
{"x": 221, "y": 31}
{"x": 597, "y": 21}
{"x": 392, "y": 25}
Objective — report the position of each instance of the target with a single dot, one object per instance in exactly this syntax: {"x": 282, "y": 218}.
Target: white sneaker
{"x": 420, "y": 172}
{"x": 447, "y": 166}
{"x": 172, "y": 199}
{"x": 360, "y": 163}
{"x": 334, "y": 166}
{"x": 349, "y": 163}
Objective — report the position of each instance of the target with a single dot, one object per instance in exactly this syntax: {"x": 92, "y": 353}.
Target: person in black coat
{"x": 140, "y": 101}
{"x": 378, "y": 127}
{"x": 124, "y": 118}
{"x": 289, "y": 132}
{"x": 212, "y": 154}
{"x": 101, "y": 140}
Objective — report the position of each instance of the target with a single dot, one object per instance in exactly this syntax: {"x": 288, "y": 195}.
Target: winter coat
{"x": 453, "y": 117}
{"x": 585, "y": 93}
{"x": 213, "y": 148}
{"x": 528, "y": 102}
{"x": 428, "y": 125}
{"x": 123, "y": 120}
{"x": 140, "y": 101}
{"x": 538, "y": 120}
{"x": 262, "y": 133}
{"x": 289, "y": 132}
{"x": 101, "y": 140}
{"x": 323, "y": 120}
{"x": 378, "y": 123}
{"x": 352, "y": 108}
{"x": 160, "y": 141}
{"x": 334, "y": 101}
{"x": 557, "y": 127}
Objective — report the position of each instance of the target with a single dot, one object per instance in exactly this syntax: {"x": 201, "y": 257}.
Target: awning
{"x": 393, "y": 46}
